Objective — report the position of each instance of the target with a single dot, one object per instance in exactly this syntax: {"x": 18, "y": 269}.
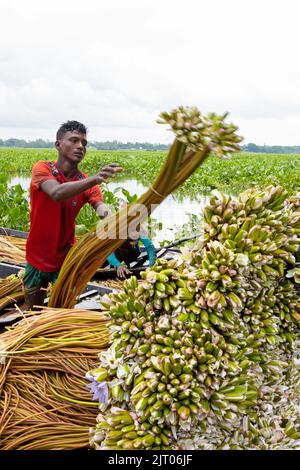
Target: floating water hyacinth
{"x": 207, "y": 347}
{"x": 195, "y": 138}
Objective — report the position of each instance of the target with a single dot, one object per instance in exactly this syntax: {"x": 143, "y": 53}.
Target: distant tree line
{"x": 38, "y": 143}
{"x": 108, "y": 145}
{"x": 271, "y": 148}
{"x": 116, "y": 145}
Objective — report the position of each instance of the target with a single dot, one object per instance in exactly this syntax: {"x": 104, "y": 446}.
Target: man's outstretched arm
{"x": 62, "y": 192}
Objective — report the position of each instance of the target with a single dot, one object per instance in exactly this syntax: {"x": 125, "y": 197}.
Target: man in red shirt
{"x": 58, "y": 190}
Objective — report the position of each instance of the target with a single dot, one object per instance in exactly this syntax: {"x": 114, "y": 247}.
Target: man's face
{"x": 72, "y": 146}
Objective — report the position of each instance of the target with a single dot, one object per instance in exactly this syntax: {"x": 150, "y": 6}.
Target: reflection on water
{"x": 24, "y": 181}
{"x": 172, "y": 212}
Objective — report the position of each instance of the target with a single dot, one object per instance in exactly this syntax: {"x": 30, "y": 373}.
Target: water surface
{"x": 173, "y": 212}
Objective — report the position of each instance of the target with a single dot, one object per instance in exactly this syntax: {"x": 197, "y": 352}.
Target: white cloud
{"x": 116, "y": 65}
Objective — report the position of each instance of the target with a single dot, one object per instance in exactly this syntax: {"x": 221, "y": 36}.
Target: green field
{"x": 233, "y": 175}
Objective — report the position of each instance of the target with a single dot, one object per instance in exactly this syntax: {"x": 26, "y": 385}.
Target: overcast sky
{"x": 115, "y": 65}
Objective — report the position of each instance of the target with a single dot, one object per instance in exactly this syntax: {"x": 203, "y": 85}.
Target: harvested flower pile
{"x": 205, "y": 352}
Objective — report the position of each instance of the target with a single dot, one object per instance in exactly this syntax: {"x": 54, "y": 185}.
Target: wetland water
{"x": 172, "y": 213}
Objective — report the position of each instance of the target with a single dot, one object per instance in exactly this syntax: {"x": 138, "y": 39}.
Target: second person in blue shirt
{"x": 128, "y": 252}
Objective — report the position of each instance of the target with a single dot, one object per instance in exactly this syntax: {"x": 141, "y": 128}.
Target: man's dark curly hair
{"x": 70, "y": 126}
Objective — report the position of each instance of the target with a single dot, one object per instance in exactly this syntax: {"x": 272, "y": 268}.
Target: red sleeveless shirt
{"x": 52, "y": 223}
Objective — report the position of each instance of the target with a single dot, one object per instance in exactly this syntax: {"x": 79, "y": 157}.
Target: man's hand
{"x": 122, "y": 272}
{"x": 108, "y": 171}
{"x": 102, "y": 210}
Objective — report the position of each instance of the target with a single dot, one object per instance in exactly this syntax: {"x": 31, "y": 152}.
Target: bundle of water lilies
{"x": 205, "y": 352}
{"x": 11, "y": 289}
{"x": 196, "y": 136}
{"x": 12, "y": 249}
{"x": 44, "y": 403}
